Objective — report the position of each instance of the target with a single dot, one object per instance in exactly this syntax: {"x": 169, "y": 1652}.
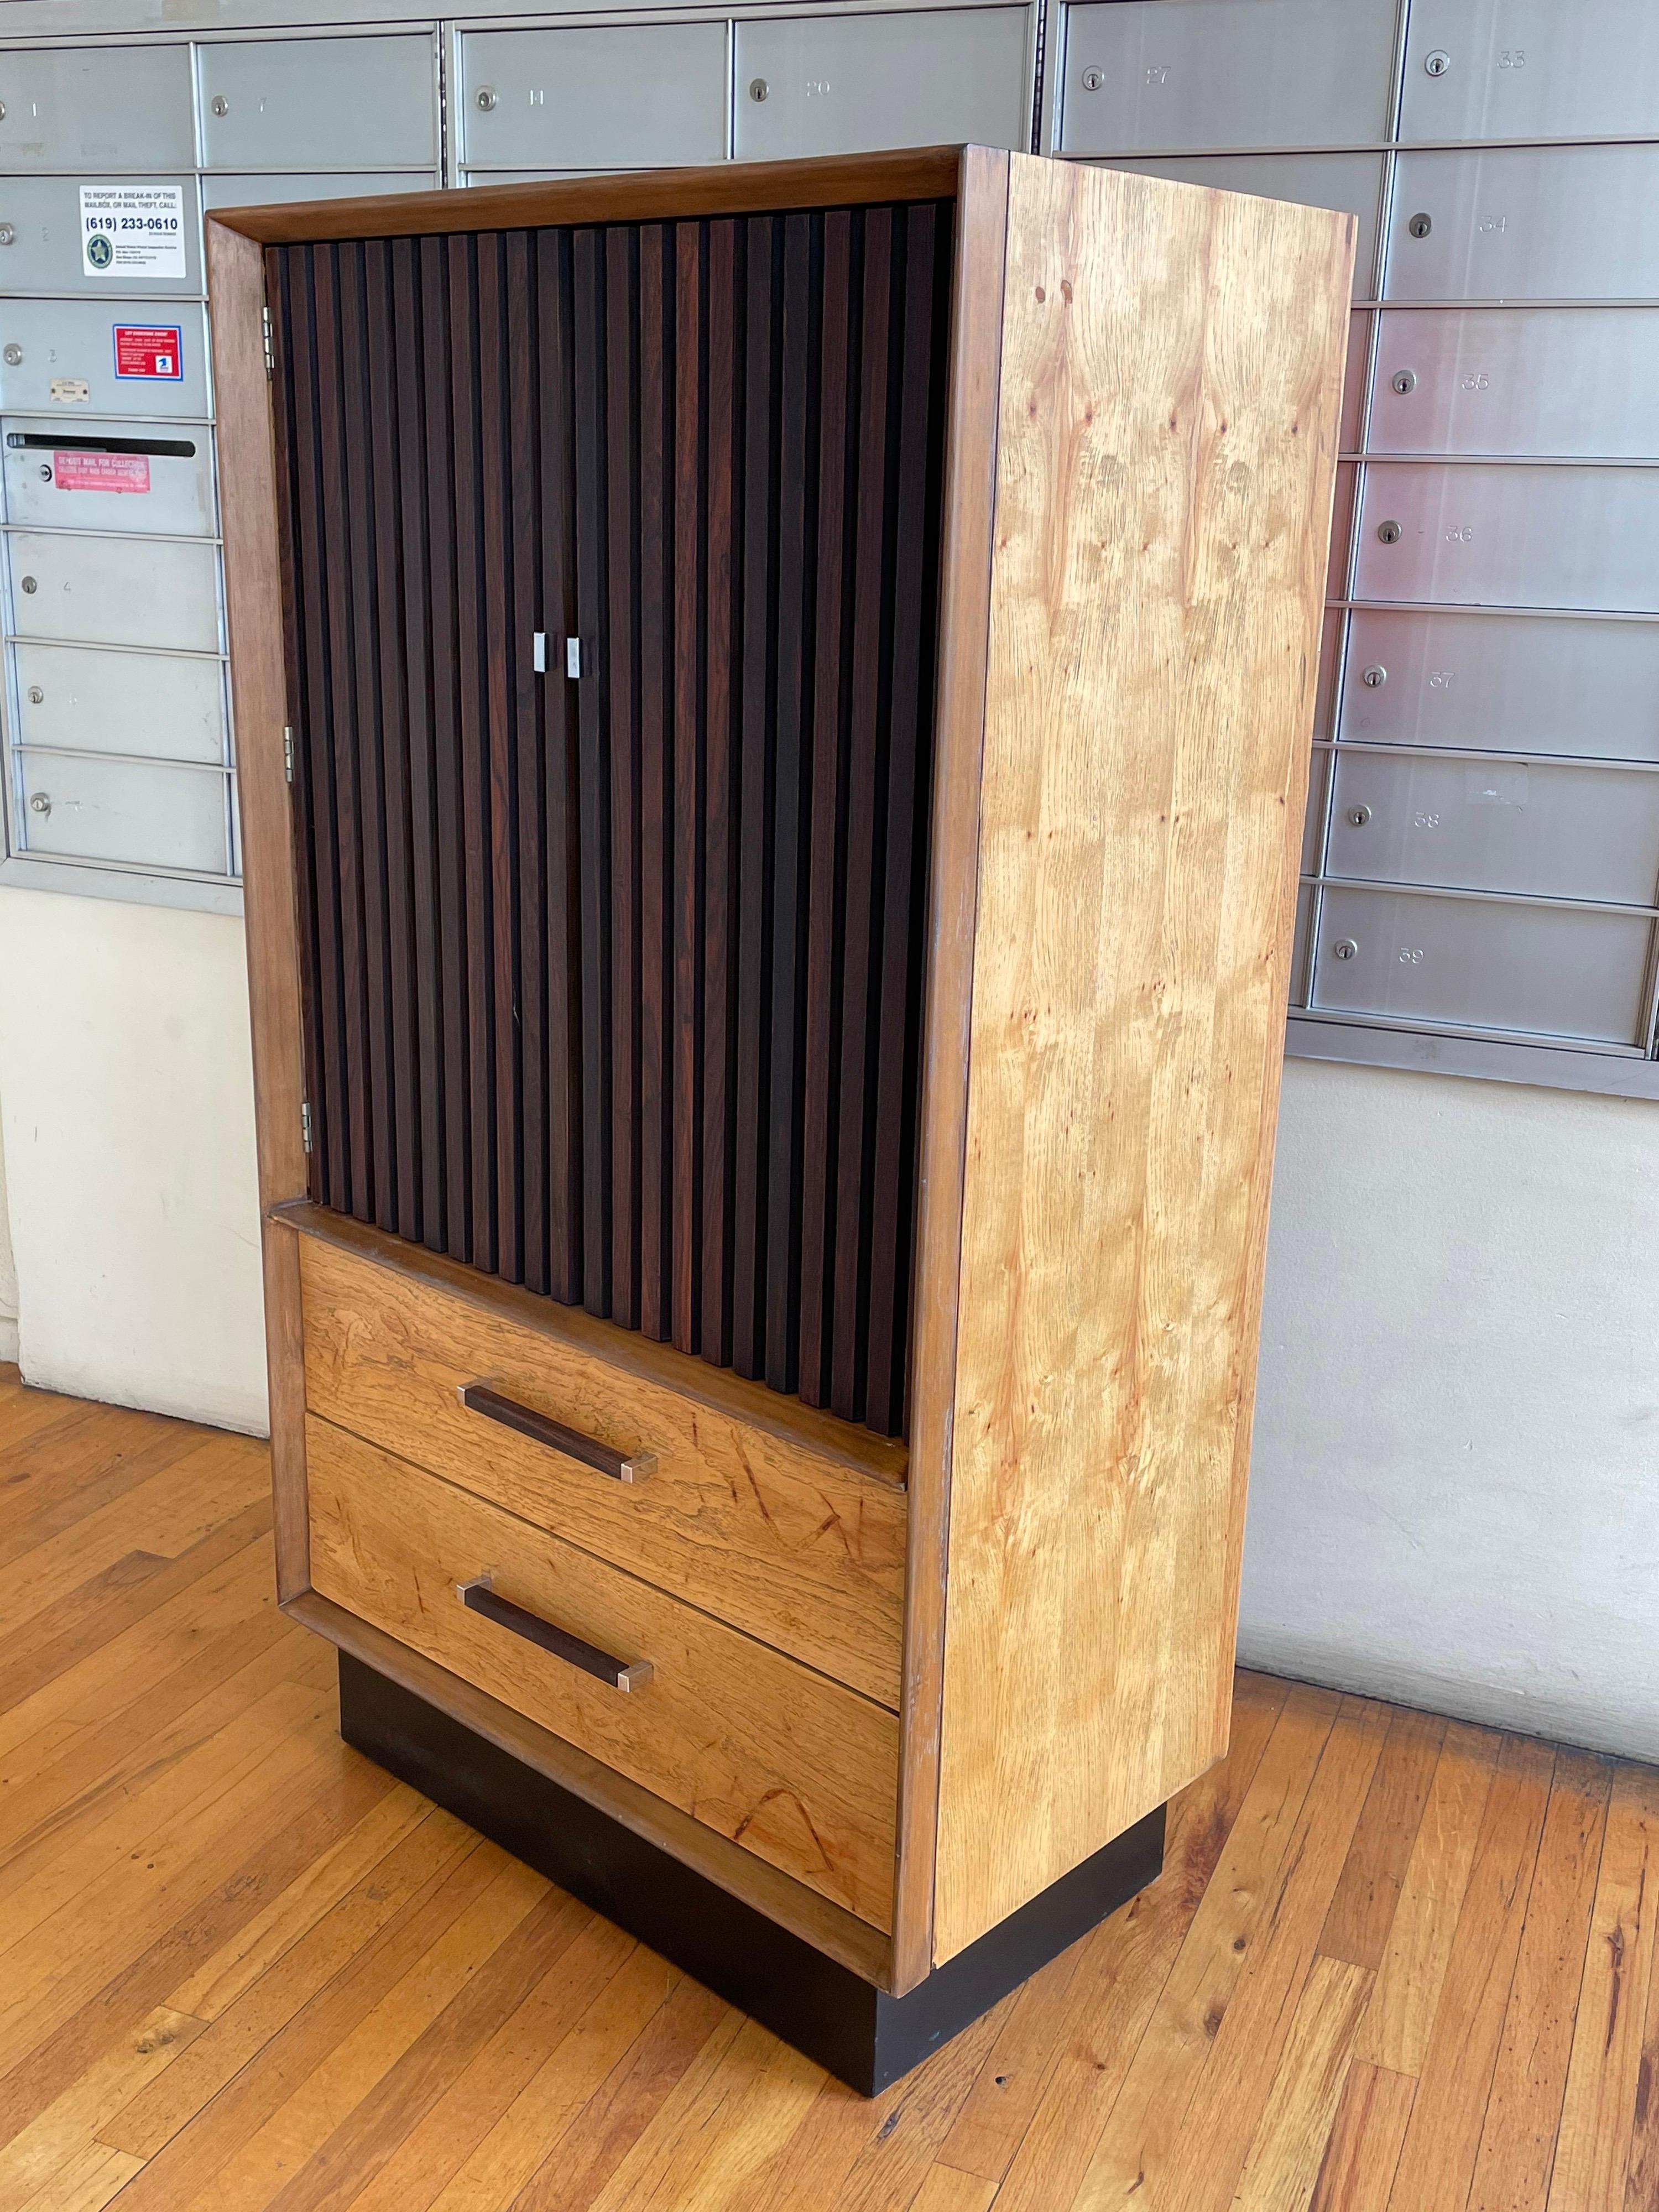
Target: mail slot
{"x": 1353, "y": 182}
{"x": 1484, "y": 964}
{"x": 159, "y": 592}
{"x": 154, "y": 480}
{"x": 1554, "y": 223}
{"x": 654, "y": 93}
{"x": 130, "y": 812}
{"x": 1515, "y": 682}
{"x": 77, "y": 698}
{"x": 71, "y": 358}
{"x": 1551, "y": 380}
{"x": 1531, "y": 68}
{"x": 1554, "y": 830}
{"x": 361, "y": 103}
{"x": 100, "y": 238}
{"x": 1141, "y": 74}
{"x": 1510, "y": 535}
{"x": 849, "y": 84}
{"x": 96, "y": 109}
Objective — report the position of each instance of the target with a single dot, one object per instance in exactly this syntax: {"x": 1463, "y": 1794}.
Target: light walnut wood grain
{"x": 800, "y": 1772}
{"x": 258, "y": 686}
{"x": 958, "y": 740}
{"x": 1171, "y": 365}
{"x": 781, "y": 1541}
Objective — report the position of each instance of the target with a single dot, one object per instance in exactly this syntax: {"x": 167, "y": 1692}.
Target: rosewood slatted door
{"x": 613, "y": 984}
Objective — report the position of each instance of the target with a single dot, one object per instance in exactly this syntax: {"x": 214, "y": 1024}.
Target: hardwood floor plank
{"x": 1363, "y": 2155}
{"x": 88, "y": 2183}
{"x": 573, "y": 2072}
{"x": 1518, "y": 2144}
{"x": 947, "y": 2189}
{"x": 1605, "y": 2077}
{"x": 1442, "y": 2141}
{"x": 741, "y": 2099}
{"x": 481, "y": 2093}
{"x": 1394, "y": 2034}
{"x": 1289, "y": 2145}
{"x": 585, "y": 2157}
{"x": 398, "y": 1881}
{"x": 1361, "y": 1912}
{"x": 1234, "y": 2087}
{"x": 1141, "y": 2128}
{"x": 69, "y": 2127}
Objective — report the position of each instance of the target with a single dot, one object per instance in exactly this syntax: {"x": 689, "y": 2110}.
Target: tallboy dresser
{"x": 773, "y": 707}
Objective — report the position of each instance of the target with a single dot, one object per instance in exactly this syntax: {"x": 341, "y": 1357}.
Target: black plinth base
{"x": 856, "y": 2030}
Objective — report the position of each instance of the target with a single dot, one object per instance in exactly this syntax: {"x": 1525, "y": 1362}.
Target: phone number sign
{"x": 132, "y": 230}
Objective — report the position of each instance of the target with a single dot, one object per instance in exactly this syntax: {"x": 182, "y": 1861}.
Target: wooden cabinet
{"x": 768, "y": 978}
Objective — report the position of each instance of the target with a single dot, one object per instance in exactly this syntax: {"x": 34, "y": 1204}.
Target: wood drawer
{"x": 778, "y": 1538}
{"x": 793, "y": 1767}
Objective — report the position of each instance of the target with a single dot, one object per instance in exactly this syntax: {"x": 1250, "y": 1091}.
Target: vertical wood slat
{"x": 616, "y": 979}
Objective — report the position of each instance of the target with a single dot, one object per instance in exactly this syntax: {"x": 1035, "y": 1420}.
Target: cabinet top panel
{"x": 734, "y": 187}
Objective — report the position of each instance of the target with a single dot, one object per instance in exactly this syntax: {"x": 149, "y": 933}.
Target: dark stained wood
{"x": 754, "y": 795}
{"x": 860, "y": 918}
{"x": 721, "y": 845}
{"x": 655, "y": 537}
{"x": 684, "y": 914}
{"x": 595, "y": 833}
{"x": 849, "y": 179}
{"x": 663, "y": 1059}
{"x": 821, "y": 962}
{"x": 621, "y": 649}
{"x": 440, "y": 488}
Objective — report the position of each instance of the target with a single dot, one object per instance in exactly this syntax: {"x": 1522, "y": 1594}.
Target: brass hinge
{"x": 270, "y": 350}
{"x": 287, "y": 752}
{"x": 305, "y": 1123}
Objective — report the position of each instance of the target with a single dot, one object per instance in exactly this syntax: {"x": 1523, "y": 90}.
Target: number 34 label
{"x": 132, "y": 230}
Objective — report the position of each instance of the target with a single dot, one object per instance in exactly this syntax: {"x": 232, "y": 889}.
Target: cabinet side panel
{"x": 1171, "y": 365}
{"x": 248, "y": 492}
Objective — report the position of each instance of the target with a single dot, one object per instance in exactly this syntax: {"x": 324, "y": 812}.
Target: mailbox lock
{"x": 1437, "y": 63}
{"x": 1375, "y": 677}
{"x": 46, "y": 472}
{"x": 1093, "y": 79}
{"x": 1404, "y": 380}
{"x": 1359, "y": 816}
{"x": 2, "y": 111}
{"x": 14, "y": 355}
{"x": 758, "y": 88}
{"x": 1420, "y": 225}
{"x": 7, "y": 234}
{"x": 40, "y": 802}
{"x": 1389, "y": 532}
{"x": 486, "y": 98}
{"x": 36, "y": 695}
{"x": 1345, "y": 948}
{"x": 218, "y": 104}
{"x": 29, "y": 584}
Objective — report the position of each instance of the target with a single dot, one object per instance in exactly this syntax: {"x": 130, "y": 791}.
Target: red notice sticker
{"x": 149, "y": 350}
{"x": 100, "y": 471}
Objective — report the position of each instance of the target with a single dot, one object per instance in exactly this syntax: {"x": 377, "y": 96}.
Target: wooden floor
{"x": 1393, "y": 1962}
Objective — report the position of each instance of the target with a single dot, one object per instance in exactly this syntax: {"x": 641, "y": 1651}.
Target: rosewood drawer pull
{"x": 479, "y": 1596}
{"x": 543, "y": 1428}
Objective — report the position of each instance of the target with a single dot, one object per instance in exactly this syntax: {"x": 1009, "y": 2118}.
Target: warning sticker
{"x": 149, "y": 350}
{"x": 132, "y": 230}
{"x": 73, "y": 471}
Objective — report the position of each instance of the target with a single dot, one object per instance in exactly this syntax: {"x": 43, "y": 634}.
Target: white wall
{"x": 8, "y": 1275}
{"x": 127, "y": 1107}
{"x": 1455, "y": 1495}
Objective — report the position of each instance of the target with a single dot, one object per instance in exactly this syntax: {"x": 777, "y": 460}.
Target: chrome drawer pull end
{"x": 543, "y": 1428}
{"x": 478, "y": 1595}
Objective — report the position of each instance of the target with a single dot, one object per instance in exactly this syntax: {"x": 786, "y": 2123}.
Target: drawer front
{"x": 797, "y": 1769}
{"x": 783, "y": 1542}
